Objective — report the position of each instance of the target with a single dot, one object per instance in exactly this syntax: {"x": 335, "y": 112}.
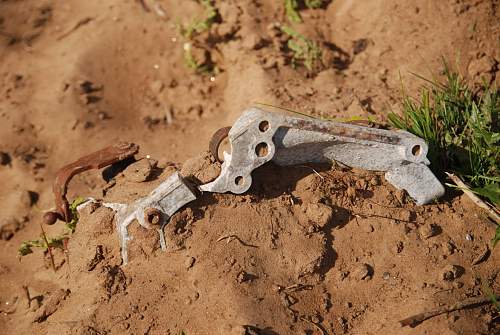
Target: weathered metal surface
{"x": 162, "y": 202}
{"x": 291, "y": 140}
{"x": 96, "y": 160}
{"x": 417, "y": 180}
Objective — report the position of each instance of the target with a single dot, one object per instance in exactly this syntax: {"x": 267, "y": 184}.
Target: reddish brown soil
{"x": 333, "y": 252}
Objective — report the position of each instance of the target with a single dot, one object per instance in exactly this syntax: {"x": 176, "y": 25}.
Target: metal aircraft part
{"x": 166, "y": 199}
{"x": 260, "y": 136}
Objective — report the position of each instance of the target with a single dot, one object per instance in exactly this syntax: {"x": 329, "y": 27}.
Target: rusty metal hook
{"x": 96, "y": 160}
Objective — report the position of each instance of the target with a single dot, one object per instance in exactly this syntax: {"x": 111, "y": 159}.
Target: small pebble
{"x": 450, "y": 272}
{"x": 482, "y": 254}
{"x": 386, "y": 275}
{"x": 375, "y": 181}
{"x": 448, "y": 248}
{"x": 429, "y": 230}
{"x": 315, "y": 319}
{"x": 243, "y": 277}
{"x": 362, "y": 272}
{"x": 469, "y": 237}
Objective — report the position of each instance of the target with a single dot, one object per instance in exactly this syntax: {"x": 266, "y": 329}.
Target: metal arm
{"x": 260, "y": 136}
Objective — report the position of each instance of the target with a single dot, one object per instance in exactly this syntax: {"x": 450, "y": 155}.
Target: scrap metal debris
{"x": 260, "y": 136}
{"x": 96, "y": 160}
{"x": 152, "y": 210}
{"x": 256, "y": 138}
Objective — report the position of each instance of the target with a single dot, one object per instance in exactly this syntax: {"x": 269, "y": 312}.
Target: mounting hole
{"x": 416, "y": 150}
{"x": 263, "y": 126}
{"x": 239, "y": 180}
{"x": 261, "y": 149}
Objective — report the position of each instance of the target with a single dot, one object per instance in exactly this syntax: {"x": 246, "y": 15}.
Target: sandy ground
{"x": 338, "y": 252}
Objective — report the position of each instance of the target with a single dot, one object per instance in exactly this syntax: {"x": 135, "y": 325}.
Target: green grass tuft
{"x": 292, "y": 11}
{"x": 305, "y": 51}
{"x": 199, "y": 25}
{"x": 313, "y": 4}
{"x": 74, "y": 213}
{"x": 203, "y": 68}
{"x": 461, "y": 128}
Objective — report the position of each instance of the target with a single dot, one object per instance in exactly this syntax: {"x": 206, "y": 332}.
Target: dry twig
{"x": 232, "y": 237}
{"x": 415, "y": 320}
{"x": 79, "y": 24}
{"x": 49, "y": 249}
{"x": 492, "y": 213}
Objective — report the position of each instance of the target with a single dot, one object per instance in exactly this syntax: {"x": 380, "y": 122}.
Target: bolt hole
{"x": 263, "y": 126}
{"x": 261, "y": 149}
{"x": 238, "y": 180}
{"x": 416, "y": 150}
{"x": 153, "y": 218}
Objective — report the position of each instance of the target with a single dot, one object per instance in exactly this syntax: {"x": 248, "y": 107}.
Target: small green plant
{"x": 189, "y": 32}
{"x": 198, "y": 25}
{"x": 313, "y": 4}
{"x": 74, "y": 213}
{"x": 46, "y": 243}
{"x": 461, "y": 128}
{"x": 292, "y": 8}
{"x": 26, "y": 247}
{"x": 193, "y": 64}
{"x": 305, "y": 51}
{"x": 292, "y": 11}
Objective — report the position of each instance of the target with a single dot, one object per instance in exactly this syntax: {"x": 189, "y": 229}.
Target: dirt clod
{"x": 201, "y": 169}
{"x": 429, "y": 230}
{"x": 448, "y": 248}
{"x": 8, "y": 227}
{"x": 319, "y": 214}
{"x": 362, "y": 272}
{"x": 450, "y": 272}
{"x": 243, "y": 277}
{"x": 139, "y": 171}
{"x": 51, "y": 305}
{"x": 482, "y": 254}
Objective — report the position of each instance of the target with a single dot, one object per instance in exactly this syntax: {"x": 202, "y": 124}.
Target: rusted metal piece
{"x": 96, "y": 160}
{"x": 152, "y": 216}
{"x": 216, "y": 140}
